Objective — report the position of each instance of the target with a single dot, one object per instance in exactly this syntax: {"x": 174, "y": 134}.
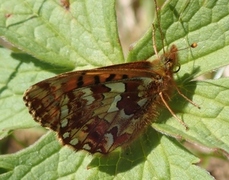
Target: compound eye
{"x": 168, "y": 63}
{"x": 178, "y": 68}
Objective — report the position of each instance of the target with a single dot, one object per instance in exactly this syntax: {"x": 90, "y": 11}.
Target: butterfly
{"x": 101, "y": 109}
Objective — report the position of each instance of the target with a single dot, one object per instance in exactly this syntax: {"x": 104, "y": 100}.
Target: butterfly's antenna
{"x": 193, "y": 45}
{"x": 154, "y": 43}
{"x": 159, "y": 28}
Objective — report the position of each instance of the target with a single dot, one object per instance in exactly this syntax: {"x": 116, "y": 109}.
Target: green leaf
{"x": 186, "y": 22}
{"x": 82, "y": 37}
{"x": 16, "y": 75}
{"x": 48, "y": 160}
{"x": 85, "y": 35}
{"x": 209, "y": 125}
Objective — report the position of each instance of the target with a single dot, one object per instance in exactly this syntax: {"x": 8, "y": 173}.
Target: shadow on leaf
{"x": 128, "y": 157}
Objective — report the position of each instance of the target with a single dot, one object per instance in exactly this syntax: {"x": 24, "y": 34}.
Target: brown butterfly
{"x": 101, "y": 109}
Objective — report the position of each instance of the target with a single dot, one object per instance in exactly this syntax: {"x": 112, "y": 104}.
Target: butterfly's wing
{"x": 96, "y": 110}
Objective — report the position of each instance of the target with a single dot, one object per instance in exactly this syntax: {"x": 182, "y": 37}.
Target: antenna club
{"x": 193, "y": 45}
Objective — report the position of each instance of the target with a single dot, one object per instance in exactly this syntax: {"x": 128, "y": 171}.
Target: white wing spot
{"x": 110, "y": 140}
{"x": 66, "y": 135}
{"x": 64, "y": 123}
{"x": 146, "y": 82}
{"x": 87, "y": 147}
{"x": 86, "y": 91}
{"x": 74, "y": 141}
{"x": 116, "y": 87}
{"x": 142, "y": 102}
{"x": 64, "y": 111}
{"x": 123, "y": 115}
{"x": 90, "y": 99}
{"x": 113, "y": 106}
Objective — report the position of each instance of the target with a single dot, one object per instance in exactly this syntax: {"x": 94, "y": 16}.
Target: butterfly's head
{"x": 170, "y": 60}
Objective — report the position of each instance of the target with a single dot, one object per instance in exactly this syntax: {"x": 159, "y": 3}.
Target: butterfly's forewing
{"x": 101, "y": 109}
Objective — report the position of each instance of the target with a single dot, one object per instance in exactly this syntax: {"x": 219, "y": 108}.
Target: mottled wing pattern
{"x": 101, "y": 109}
{"x": 93, "y": 110}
